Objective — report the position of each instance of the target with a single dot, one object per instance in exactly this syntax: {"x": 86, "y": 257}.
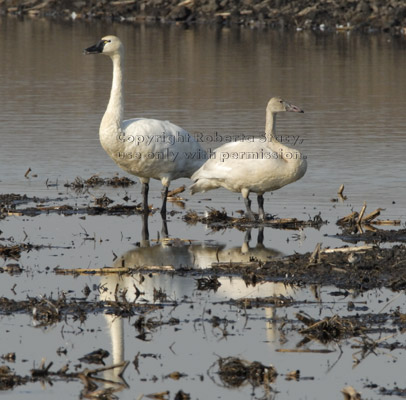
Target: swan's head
{"x": 108, "y": 45}
{"x": 276, "y": 104}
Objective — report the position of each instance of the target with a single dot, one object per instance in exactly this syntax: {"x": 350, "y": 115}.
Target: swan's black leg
{"x": 261, "y": 211}
{"x": 249, "y": 214}
{"x": 144, "y": 192}
{"x": 164, "y": 194}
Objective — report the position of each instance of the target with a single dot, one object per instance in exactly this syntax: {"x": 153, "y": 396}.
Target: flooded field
{"x": 219, "y": 307}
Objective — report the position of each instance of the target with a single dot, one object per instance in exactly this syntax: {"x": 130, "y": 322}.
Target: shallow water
{"x": 206, "y": 80}
{"x": 194, "y": 344}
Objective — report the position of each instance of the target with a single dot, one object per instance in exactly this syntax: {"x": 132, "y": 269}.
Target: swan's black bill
{"x": 95, "y": 49}
{"x": 293, "y": 108}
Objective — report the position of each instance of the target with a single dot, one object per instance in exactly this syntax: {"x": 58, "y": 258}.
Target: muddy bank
{"x": 343, "y": 15}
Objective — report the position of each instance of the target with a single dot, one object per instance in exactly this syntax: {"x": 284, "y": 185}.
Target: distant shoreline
{"x": 364, "y": 16}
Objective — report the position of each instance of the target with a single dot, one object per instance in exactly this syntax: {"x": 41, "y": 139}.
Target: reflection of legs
{"x": 164, "y": 194}
{"x": 260, "y": 239}
{"x": 144, "y": 192}
{"x": 245, "y": 247}
{"x": 247, "y": 237}
{"x": 145, "y": 231}
{"x": 261, "y": 206}
{"x": 164, "y": 230}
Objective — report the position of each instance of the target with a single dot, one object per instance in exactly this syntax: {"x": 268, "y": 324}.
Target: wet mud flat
{"x": 371, "y": 261}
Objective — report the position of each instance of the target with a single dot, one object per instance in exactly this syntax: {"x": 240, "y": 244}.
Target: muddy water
{"x": 215, "y": 83}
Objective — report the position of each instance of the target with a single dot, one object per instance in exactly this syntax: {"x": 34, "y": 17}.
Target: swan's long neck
{"x": 294, "y": 165}
{"x": 288, "y": 154}
{"x": 270, "y": 127}
{"x": 113, "y": 116}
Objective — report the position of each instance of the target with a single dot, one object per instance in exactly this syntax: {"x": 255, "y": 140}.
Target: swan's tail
{"x": 202, "y": 185}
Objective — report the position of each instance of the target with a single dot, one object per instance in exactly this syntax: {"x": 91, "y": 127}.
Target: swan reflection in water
{"x": 183, "y": 254}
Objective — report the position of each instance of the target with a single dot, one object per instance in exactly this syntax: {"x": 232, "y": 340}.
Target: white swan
{"x": 260, "y": 166}
{"x": 147, "y": 148}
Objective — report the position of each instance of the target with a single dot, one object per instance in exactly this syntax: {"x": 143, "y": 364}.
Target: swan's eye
{"x": 106, "y": 41}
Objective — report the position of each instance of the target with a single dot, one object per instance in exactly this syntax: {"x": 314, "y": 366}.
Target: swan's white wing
{"x": 157, "y": 149}
{"x": 238, "y": 166}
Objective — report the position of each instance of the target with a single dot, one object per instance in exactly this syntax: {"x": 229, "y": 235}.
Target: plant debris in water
{"x": 373, "y": 236}
{"x": 217, "y": 220}
{"x": 274, "y": 301}
{"x": 95, "y": 357}
{"x": 329, "y": 329}
{"x": 235, "y": 372}
{"x": 103, "y": 201}
{"x": 209, "y": 283}
{"x": 9, "y": 380}
{"x": 95, "y": 181}
{"x": 14, "y": 251}
{"x": 12, "y": 199}
{"x": 346, "y": 268}
{"x": 48, "y": 311}
{"x": 101, "y": 208}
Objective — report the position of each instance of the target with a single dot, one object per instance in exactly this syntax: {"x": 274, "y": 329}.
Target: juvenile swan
{"x": 147, "y": 148}
{"x": 260, "y": 166}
